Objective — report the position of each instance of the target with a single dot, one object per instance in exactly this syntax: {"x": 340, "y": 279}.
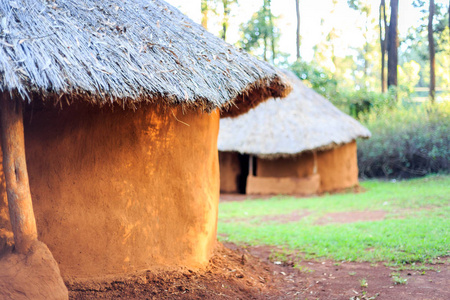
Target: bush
{"x": 362, "y": 102}
{"x": 317, "y": 78}
{"x": 406, "y": 141}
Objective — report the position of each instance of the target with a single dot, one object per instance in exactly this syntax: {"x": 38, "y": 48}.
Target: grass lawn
{"x": 416, "y": 226}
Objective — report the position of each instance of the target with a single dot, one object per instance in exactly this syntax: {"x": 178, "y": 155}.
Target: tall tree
{"x": 431, "y": 52}
{"x": 384, "y": 29}
{"x": 393, "y": 45}
{"x": 226, "y": 4}
{"x": 271, "y": 32}
{"x": 297, "y": 11}
{"x": 260, "y": 33}
{"x": 204, "y": 10}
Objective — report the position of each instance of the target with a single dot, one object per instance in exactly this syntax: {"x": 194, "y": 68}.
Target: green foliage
{"x": 318, "y": 79}
{"x": 260, "y": 33}
{"x": 406, "y": 141}
{"x": 361, "y": 102}
{"x": 363, "y": 283}
{"x": 397, "y": 279}
{"x": 353, "y": 102}
{"x": 415, "y": 45}
{"x": 415, "y": 231}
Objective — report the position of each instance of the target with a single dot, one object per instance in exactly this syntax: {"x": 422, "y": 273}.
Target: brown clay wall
{"x": 283, "y": 185}
{"x": 338, "y": 168}
{"x": 230, "y": 170}
{"x": 298, "y": 166}
{"x": 6, "y": 235}
{"x": 120, "y": 191}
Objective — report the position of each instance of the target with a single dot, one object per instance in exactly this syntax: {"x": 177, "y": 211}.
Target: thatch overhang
{"x": 303, "y": 121}
{"x": 126, "y": 52}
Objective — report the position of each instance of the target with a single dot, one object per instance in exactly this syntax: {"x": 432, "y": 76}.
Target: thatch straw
{"x": 123, "y": 51}
{"x": 303, "y": 121}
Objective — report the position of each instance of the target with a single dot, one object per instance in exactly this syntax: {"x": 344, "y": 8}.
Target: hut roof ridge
{"x": 303, "y": 121}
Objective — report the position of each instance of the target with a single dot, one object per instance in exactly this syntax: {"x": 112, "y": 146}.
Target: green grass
{"x": 417, "y": 227}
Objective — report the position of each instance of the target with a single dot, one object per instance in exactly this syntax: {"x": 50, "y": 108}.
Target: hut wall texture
{"x": 115, "y": 192}
{"x": 297, "y": 166}
{"x": 6, "y": 235}
{"x": 338, "y": 169}
{"x": 283, "y": 185}
{"x": 230, "y": 170}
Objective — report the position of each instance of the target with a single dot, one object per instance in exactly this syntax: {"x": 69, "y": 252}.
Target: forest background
{"x": 384, "y": 62}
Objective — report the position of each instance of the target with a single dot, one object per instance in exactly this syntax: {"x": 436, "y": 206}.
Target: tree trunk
{"x": 382, "y": 22}
{"x": 393, "y": 45}
{"x": 226, "y": 16}
{"x": 297, "y": 10}
{"x": 265, "y": 37}
{"x": 204, "y": 9}
{"x": 20, "y": 206}
{"x": 431, "y": 51}
{"x": 271, "y": 28}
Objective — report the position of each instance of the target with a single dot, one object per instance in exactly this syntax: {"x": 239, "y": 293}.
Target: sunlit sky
{"x": 347, "y": 22}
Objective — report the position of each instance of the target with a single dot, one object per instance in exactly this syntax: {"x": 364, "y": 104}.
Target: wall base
{"x": 283, "y": 185}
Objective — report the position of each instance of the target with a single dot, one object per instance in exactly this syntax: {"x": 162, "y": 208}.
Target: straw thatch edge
{"x": 250, "y": 97}
{"x": 256, "y": 93}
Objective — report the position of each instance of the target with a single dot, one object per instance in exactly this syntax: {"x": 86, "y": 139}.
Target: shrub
{"x": 317, "y": 78}
{"x": 363, "y": 102}
{"x": 406, "y": 141}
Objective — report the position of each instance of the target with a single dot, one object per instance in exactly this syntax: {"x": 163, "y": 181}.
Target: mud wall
{"x": 297, "y": 166}
{"x": 283, "y": 185}
{"x": 6, "y": 235}
{"x": 230, "y": 170}
{"x": 338, "y": 169}
{"x": 120, "y": 191}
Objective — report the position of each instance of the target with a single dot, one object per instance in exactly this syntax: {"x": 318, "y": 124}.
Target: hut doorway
{"x": 235, "y": 168}
{"x": 242, "y": 178}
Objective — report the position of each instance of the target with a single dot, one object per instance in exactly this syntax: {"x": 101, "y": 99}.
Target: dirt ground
{"x": 349, "y": 280}
{"x": 248, "y": 273}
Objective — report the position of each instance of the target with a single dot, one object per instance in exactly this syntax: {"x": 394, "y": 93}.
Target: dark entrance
{"x": 242, "y": 178}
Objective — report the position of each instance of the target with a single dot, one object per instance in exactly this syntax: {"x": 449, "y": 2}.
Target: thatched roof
{"x": 125, "y": 51}
{"x": 303, "y": 121}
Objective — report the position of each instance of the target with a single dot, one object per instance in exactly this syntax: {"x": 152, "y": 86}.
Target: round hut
{"x": 300, "y": 145}
{"x": 121, "y": 107}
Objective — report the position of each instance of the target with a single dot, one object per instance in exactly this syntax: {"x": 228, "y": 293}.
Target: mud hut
{"x": 121, "y": 105}
{"x": 301, "y": 145}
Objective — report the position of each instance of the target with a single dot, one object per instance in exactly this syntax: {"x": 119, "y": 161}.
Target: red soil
{"x": 249, "y": 274}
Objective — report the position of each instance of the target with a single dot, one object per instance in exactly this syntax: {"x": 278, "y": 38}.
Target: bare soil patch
{"x": 242, "y": 197}
{"x": 343, "y": 280}
{"x": 247, "y": 273}
{"x": 293, "y": 216}
{"x": 229, "y": 274}
{"x": 298, "y": 215}
{"x": 352, "y": 216}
